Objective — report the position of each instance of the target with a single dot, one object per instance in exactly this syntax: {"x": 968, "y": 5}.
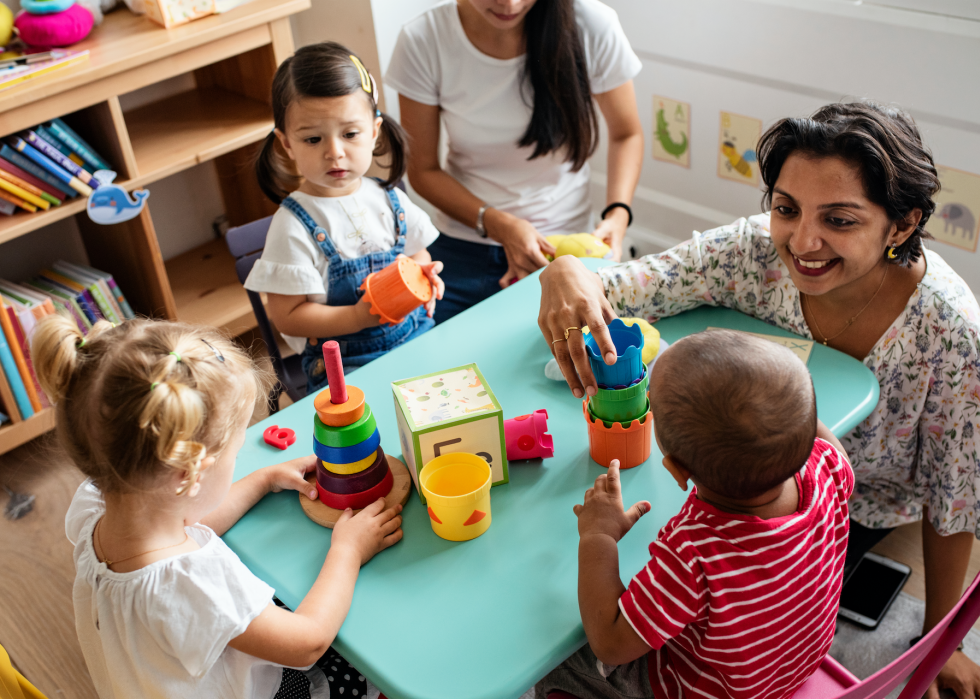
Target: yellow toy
{"x": 578, "y": 245}
{"x": 6, "y": 24}
{"x": 457, "y": 495}
{"x": 651, "y": 338}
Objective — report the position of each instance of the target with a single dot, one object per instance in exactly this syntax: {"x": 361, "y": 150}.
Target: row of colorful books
{"x": 44, "y": 166}
{"x": 83, "y": 293}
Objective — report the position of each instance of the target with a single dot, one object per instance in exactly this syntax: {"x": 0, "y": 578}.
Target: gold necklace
{"x": 806, "y": 300}
{"x": 109, "y": 564}
{"x": 358, "y": 229}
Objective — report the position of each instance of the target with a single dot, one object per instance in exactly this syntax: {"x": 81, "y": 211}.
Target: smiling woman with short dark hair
{"x": 838, "y": 258}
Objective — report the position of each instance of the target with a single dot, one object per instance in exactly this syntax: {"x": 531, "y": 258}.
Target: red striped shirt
{"x": 737, "y": 606}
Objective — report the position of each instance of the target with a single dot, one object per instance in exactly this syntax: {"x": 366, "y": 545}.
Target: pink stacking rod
{"x": 335, "y": 372}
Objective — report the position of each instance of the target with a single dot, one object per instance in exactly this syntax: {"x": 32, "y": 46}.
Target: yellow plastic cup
{"x": 457, "y": 493}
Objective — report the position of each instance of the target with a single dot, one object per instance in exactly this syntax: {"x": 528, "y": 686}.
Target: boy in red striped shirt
{"x": 741, "y": 592}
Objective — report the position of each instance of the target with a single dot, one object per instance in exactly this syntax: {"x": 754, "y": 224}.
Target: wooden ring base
{"x": 327, "y": 516}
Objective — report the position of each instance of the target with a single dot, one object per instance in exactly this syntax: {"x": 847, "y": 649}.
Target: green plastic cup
{"x": 623, "y": 404}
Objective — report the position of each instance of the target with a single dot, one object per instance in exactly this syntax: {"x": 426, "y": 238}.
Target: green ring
{"x": 348, "y": 436}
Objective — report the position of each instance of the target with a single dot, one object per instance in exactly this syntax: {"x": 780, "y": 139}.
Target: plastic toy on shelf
{"x": 353, "y": 470}
{"x": 527, "y": 437}
{"x": 618, "y": 416}
{"x": 397, "y": 290}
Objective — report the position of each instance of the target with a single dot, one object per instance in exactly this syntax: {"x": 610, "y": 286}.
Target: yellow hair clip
{"x": 367, "y": 82}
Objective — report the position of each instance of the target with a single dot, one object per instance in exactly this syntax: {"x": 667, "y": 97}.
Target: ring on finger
{"x": 567, "y": 330}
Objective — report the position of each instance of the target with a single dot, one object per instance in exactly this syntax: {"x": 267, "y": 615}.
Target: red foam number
{"x": 279, "y": 438}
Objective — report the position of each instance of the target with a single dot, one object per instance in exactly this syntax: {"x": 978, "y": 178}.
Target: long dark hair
{"x": 321, "y": 70}
{"x": 884, "y": 143}
{"x": 563, "y": 113}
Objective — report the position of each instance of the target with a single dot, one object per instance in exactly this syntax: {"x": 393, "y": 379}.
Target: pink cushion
{"x": 54, "y": 30}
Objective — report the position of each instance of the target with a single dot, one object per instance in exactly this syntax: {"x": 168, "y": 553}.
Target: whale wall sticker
{"x": 111, "y": 204}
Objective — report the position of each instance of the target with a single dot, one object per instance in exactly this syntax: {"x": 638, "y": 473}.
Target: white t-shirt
{"x": 358, "y": 224}
{"x": 162, "y": 631}
{"x": 486, "y": 115}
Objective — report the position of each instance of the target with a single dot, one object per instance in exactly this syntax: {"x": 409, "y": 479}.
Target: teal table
{"x": 486, "y": 619}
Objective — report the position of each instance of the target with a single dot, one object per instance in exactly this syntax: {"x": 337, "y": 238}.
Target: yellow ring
{"x": 569, "y": 329}
{"x": 354, "y": 467}
{"x": 560, "y": 339}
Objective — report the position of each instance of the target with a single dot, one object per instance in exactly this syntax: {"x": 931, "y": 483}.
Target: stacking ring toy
{"x": 347, "y": 455}
{"x": 347, "y": 436}
{"x": 349, "y": 469}
{"x": 355, "y": 482}
{"x": 357, "y": 501}
{"x": 339, "y": 414}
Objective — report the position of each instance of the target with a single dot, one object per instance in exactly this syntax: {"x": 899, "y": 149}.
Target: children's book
{"x": 64, "y": 133}
{"x": 95, "y": 286}
{"x": 22, "y": 193}
{"x": 7, "y": 401}
{"x": 21, "y": 312}
{"x": 28, "y": 187}
{"x": 60, "y": 59}
{"x": 48, "y": 189}
{"x": 17, "y": 201}
{"x": 39, "y": 304}
{"x": 12, "y": 156}
{"x": 66, "y": 299}
{"x": 82, "y": 295}
{"x": 7, "y": 208}
{"x": 54, "y": 142}
{"x": 124, "y": 306}
{"x": 59, "y": 158}
{"x": 15, "y": 368}
{"x": 39, "y": 158}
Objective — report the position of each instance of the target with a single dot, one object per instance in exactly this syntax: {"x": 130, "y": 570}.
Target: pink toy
{"x": 54, "y": 30}
{"x": 335, "y": 372}
{"x": 526, "y": 437}
{"x": 279, "y": 438}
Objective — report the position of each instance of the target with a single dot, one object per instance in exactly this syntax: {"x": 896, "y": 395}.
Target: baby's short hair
{"x": 737, "y": 411}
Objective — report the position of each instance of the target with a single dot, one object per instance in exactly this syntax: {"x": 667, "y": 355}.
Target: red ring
{"x": 356, "y": 501}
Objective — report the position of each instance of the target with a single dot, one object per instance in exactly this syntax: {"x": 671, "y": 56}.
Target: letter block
{"x": 447, "y": 412}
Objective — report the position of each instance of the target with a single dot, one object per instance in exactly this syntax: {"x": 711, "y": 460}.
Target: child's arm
{"x": 299, "y": 639}
{"x": 290, "y": 475}
{"x": 294, "y": 315}
{"x": 824, "y": 433}
{"x": 601, "y": 524}
{"x": 431, "y": 270}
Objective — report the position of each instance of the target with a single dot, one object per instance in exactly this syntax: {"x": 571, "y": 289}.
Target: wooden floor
{"x": 36, "y": 622}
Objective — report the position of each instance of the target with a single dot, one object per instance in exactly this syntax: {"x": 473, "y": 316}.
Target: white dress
{"x": 921, "y": 444}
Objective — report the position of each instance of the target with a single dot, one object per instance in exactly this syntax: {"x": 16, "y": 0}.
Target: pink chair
{"x": 926, "y": 658}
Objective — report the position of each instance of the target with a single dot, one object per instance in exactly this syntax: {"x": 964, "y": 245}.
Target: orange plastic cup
{"x": 631, "y": 445}
{"x": 397, "y": 290}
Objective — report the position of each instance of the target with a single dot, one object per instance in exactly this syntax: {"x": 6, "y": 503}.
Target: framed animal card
{"x": 738, "y": 137}
{"x": 956, "y": 220}
{"x": 672, "y": 131}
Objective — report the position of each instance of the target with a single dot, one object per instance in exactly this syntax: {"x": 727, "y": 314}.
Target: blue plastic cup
{"x": 629, "y": 355}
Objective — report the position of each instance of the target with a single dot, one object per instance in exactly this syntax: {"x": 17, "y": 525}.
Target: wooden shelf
{"x": 12, "y": 436}
{"x": 207, "y": 291}
{"x": 193, "y": 127}
{"x": 23, "y": 222}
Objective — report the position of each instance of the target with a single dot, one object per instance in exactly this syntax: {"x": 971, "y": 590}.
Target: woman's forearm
{"x": 623, "y": 165}
{"x": 946, "y": 559}
{"x": 444, "y": 192}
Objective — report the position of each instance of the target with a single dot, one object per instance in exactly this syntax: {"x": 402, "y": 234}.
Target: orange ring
{"x": 341, "y": 415}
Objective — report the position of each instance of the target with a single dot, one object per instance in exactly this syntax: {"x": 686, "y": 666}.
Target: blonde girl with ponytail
{"x": 154, "y": 413}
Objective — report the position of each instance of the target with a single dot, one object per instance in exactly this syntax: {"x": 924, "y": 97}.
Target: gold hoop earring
{"x": 892, "y": 255}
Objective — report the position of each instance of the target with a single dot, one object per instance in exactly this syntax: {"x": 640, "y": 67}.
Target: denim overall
{"x": 345, "y": 278}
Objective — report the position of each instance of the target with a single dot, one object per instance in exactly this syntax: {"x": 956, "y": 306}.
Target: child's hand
{"x": 365, "y": 319}
{"x": 370, "y": 531}
{"x": 603, "y": 512}
{"x": 291, "y": 475}
{"x": 432, "y": 270}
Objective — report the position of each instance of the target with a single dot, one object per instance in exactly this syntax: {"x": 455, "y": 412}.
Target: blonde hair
{"x": 145, "y": 397}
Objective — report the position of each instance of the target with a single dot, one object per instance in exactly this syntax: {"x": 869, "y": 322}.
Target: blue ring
{"x": 45, "y": 7}
{"x": 347, "y": 455}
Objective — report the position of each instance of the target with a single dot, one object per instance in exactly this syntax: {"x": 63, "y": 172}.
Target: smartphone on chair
{"x": 870, "y": 589}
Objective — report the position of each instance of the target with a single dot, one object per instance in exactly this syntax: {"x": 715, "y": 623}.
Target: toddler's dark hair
{"x": 321, "y": 70}
{"x": 737, "y": 411}
{"x": 884, "y": 143}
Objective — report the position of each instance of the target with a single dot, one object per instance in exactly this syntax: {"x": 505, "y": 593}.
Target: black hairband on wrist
{"x": 621, "y": 205}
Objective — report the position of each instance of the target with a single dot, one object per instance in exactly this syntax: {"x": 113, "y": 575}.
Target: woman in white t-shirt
{"x": 514, "y": 83}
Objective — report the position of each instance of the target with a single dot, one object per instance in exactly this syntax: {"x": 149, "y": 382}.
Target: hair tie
{"x": 178, "y": 356}
{"x": 154, "y": 385}
{"x": 81, "y": 344}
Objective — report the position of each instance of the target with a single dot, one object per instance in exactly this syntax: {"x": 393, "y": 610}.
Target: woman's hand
{"x": 370, "y": 531}
{"x": 611, "y": 231}
{"x": 961, "y": 675}
{"x": 524, "y": 246}
{"x": 573, "y": 297}
{"x": 291, "y": 475}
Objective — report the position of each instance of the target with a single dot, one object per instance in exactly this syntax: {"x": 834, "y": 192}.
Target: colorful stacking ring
{"x": 343, "y": 414}
{"x": 348, "y": 436}
{"x": 357, "y": 501}
{"x": 354, "y": 482}
{"x": 347, "y": 455}
{"x": 349, "y": 469}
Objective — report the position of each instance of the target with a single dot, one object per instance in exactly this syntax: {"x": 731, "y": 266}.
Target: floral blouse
{"x": 921, "y": 443}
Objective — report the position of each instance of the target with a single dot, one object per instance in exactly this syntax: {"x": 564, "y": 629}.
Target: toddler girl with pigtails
{"x": 335, "y": 226}
{"x": 154, "y": 413}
